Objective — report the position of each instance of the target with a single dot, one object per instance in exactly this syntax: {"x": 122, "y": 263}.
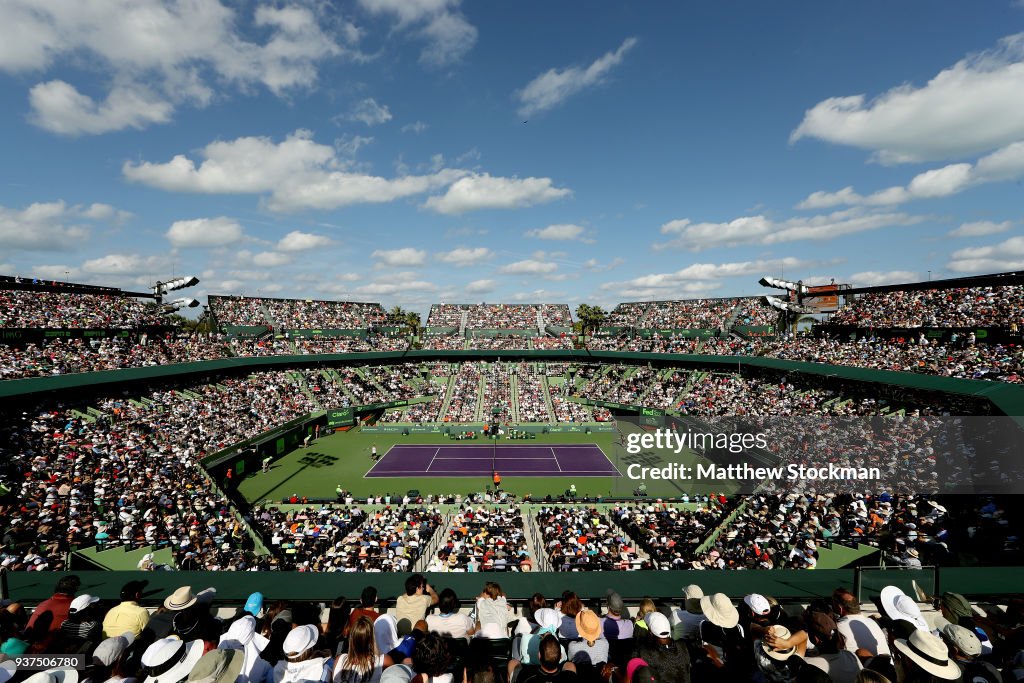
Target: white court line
{"x": 432, "y": 460}
{"x": 556, "y": 459}
{"x": 379, "y": 460}
{"x": 509, "y": 457}
{"x": 512, "y": 473}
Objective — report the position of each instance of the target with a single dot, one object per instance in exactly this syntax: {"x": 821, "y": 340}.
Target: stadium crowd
{"x": 63, "y": 310}
{"x": 499, "y": 316}
{"x": 683, "y": 314}
{"x": 583, "y": 539}
{"x": 484, "y": 538}
{"x": 65, "y": 356}
{"x": 129, "y": 475}
{"x": 295, "y": 314}
{"x": 950, "y": 308}
{"x": 424, "y": 635}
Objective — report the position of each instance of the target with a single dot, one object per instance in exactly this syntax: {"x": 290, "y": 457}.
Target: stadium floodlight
{"x": 177, "y": 283}
{"x": 787, "y": 306}
{"x": 179, "y": 304}
{"x": 776, "y": 283}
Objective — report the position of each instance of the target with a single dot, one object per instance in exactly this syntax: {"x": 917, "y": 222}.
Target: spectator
{"x": 128, "y": 616}
{"x": 613, "y": 624}
{"x": 492, "y": 612}
{"x": 302, "y": 663}
{"x": 412, "y": 607}
{"x": 924, "y": 656}
{"x": 859, "y": 632}
{"x": 449, "y": 621}
{"x": 362, "y": 663}
{"x": 549, "y": 667}
{"x": 668, "y": 659}
{"x": 47, "y": 618}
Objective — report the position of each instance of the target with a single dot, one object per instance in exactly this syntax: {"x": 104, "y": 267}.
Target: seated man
{"x": 549, "y": 669}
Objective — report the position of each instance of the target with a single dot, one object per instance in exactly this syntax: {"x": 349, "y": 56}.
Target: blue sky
{"x": 376, "y": 149}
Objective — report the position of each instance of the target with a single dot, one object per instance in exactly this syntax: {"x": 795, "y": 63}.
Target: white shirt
{"x": 863, "y": 632}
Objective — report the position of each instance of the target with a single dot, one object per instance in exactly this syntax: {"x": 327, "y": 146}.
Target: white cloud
{"x": 297, "y": 173}
{"x": 178, "y": 48}
{"x": 1007, "y": 255}
{"x": 981, "y": 228}
{"x": 560, "y": 231}
{"x": 480, "y": 287}
{"x": 128, "y": 264}
{"x": 1002, "y": 165}
{"x": 106, "y": 212}
{"x": 871, "y": 278}
{"x": 393, "y": 287}
{"x": 703, "y": 276}
{"x": 271, "y": 259}
{"x": 302, "y": 241}
{"x": 555, "y": 86}
{"x": 465, "y": 256}
{"x": 529, "y": 267}
{"x": 969, "y": 108}
{"x": 369, "y": 112}
{"x": 205, "y": 232}
{"x": 448, "y": 35}
{"x": 52, "y": 226}
{"x": 483, "y": 191}
{"x": 59, "y": 108}
{"x": 761, "y": 230}
{"x": 414, "y": 127}
{"x": 596, "y": 266}
{"x": 406, "y": 256}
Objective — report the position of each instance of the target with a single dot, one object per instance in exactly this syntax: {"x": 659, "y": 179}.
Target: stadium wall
{"x": 784, "y": 584}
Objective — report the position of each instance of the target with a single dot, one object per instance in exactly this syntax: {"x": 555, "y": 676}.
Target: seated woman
{"x": 363, "y": 663}
{"x": 492, "y": 612}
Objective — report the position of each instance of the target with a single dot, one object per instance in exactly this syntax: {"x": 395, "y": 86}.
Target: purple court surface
{"x": 583, "y": 460}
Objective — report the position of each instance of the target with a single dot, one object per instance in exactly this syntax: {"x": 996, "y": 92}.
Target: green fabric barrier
{"x": 786, "y": 584}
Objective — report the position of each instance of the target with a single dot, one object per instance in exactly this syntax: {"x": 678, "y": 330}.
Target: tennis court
{"x": 408, "y": 460}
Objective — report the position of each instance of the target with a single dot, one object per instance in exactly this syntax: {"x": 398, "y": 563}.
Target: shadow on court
{"x": 309, "y": 459}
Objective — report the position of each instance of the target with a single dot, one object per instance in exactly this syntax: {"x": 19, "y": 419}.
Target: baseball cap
{"x": 658, "y": 625}
{"x": 758, "y": 604}
{"x": 81, "y": 602}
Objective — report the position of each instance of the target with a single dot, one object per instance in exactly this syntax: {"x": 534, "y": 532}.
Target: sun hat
{"x": 897, "y": 605}
{"x": 217, "y": 666}
{"x": 299, "y": 640}
{"x": 241, "y": 633}
{"x": 547, "y": 618}
{"x": 81, "y": 602}
{"x": 658, "y": 625}
{"x": 964, "y": 639}
{"x": 180, "y": 599}
{"x": 820, "y": 624}
{"x": 783, "y": 633}
{"x": 719, "y": 610}
{"x": 169, "y": 660}
{"x": 692, "y": 595}
{"x": 589, "y": 625}
{"x": 930, "y": 654}
{"x": 54, "y": 676}
{"x": 758, "y": 604}
{"x": 107, "y": 652}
